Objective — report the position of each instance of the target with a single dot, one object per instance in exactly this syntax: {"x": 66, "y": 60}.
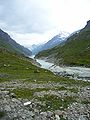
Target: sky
{"x": 35, "y": 21}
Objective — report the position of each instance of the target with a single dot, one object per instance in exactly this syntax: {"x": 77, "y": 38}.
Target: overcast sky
{"x": 35, "y": 21}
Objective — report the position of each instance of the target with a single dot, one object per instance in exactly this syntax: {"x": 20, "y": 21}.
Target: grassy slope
{"x": 76, "y": 51}
{"x": 15, "y": 67}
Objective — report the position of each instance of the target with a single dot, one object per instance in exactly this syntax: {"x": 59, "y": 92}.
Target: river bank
{"x": 79, "y": 73}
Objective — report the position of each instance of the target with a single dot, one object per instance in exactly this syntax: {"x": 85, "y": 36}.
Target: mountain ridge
{"x": 56, "y": 40}
{"x": 75, "y": 51}
{"x": 6, "y": 42}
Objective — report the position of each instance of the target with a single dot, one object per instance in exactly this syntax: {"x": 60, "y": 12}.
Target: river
{"x": 80, "y": 73}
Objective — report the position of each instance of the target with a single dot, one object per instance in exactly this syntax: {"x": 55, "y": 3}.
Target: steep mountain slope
{"x": 6, "y": 42}
{"x": 56, "y": 40}
{"x": 75, "y": 51}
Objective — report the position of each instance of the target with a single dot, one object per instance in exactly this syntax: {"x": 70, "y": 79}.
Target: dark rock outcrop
{"x": 88, "y": 24}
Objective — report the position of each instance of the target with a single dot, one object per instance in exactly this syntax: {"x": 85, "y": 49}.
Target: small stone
{"x": 58, "y": 112}
{"x": 5, "y": 92}
{"x": 44, "y": 114}
{"x": 49, "y": 113}
{"x": 82, "y": 117}
{"x": 12, "y": 95}
{"x": 7, "y": 108}
{"x": 57, "y": 117}
{"x": 24, "y": 117}
{"x": 2, "y": 89}
{"x": 35, "y": 80}
{"x": 27, "y": 103}
{"x": 31, "y": 113}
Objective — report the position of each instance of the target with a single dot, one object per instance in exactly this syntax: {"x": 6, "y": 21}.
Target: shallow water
{"x": 76, "y": 72}
{"x": 44, "y": 64}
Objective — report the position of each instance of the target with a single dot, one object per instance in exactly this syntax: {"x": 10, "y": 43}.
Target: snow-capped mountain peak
{"x": 63, "y": 34}
{"x": 56, "y": 40}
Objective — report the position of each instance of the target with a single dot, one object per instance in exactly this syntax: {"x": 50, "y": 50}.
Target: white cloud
{"x": 28, "y": 39}
{"x": 34, "y": 21}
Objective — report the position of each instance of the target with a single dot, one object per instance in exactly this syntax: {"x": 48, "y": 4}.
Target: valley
{"x": 30, "y": 92}
{"x": 44, "y": 88}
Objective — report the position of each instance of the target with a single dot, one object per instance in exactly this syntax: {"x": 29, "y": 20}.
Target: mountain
{"x": 75, "y": 51}
{"x": 6, "y": 42}
{"x": 35, "y": 49}
{"x": 56, "y": 40}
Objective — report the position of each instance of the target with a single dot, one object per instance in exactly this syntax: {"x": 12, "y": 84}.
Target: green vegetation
{"x": 53, "y": 102}
{"x": 76, "y": 50}
{"x": 86, "y": 101}
{"x": 27, "y": 93}
{"x": 13, "y": 66}
{"x": 2, "y": 114}
{"x": 62, "y": 88}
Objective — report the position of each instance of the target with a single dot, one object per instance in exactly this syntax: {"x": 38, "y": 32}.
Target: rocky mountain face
{"x": 56, "y": 40}
{"x": 88, "y": 24}
{"x": 75, "y": 51}
{"x": 6, "y": 42}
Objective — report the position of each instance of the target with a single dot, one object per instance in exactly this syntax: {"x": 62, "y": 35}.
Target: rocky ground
{"x": 14, "y": 107}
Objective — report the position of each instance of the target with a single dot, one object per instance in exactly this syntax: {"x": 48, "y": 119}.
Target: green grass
{"x": 14, "y": 66}
{"x": 23, "y": 93}
{"x": 49, "y": 102}
{"x": 85, "y": 100}
{"x": 27, "y": 92}
{"x": 74, "y": 90}
{"x": 62, "y": 88}
{"x": 2, "y": 114}
{"x": 53, "y": 102}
